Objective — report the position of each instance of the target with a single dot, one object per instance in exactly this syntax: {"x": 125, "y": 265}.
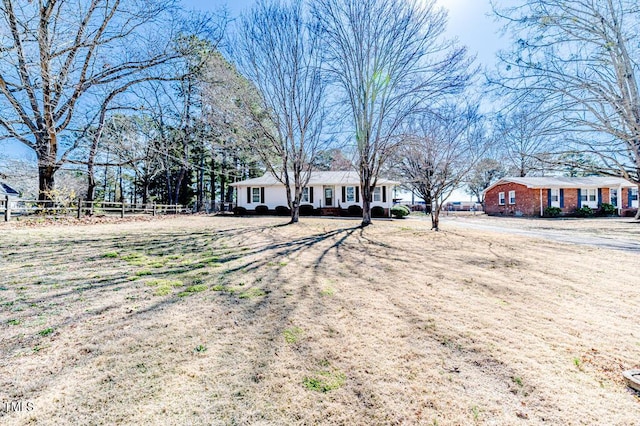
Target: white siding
{"x": 275, "y": 196}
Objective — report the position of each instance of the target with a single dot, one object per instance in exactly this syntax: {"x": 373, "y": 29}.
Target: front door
{"x": 328, "y": 196}
{"x": 613, "y": 197}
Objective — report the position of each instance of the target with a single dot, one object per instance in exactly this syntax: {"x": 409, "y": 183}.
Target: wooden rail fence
{"x": 20, "y": 208}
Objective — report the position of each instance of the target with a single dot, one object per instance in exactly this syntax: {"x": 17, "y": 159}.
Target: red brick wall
{"x": 527, "y": 200}
{"x": 570, "y": 200}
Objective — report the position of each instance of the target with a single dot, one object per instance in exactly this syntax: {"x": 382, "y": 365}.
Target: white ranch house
{"x": 330, "y": 192}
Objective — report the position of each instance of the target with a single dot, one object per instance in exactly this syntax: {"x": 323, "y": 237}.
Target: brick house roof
{"x": 566, "y": 182}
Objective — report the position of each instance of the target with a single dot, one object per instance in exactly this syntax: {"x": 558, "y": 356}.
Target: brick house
{"x": 529, "y": 196}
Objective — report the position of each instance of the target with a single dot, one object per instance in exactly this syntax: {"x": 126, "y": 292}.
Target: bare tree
{"x": 388, "y": 61}
{"x": 524, "y": 140}
{"x": 59, "y": 56}
{"x": 484, "y": 174}
{"x": 582, "y": 57}
{"x": 281, "y": 55}
{"x": 436, "y": 157}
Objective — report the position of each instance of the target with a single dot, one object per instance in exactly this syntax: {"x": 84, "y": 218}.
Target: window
{"x": 512, "y": 197}
{"x": 588, "y": 195}
{"x": 255, "y": 195}
{"x": 350, "y": 194}
{"x": 377, "y": 194}
{"x": 501, "y": 198}
{"x": 634, "y": 194}
{"x": 304, "y": 198}
{"x": 555, "y": 195}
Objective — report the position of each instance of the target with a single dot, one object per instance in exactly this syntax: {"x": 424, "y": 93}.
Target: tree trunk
{"x": 46, "y": 182}
{"x": 295, "y": 212}
{"x": 435, "y": 217}
{"x": 365, "y": 191}
{"x": 91, "y": 185}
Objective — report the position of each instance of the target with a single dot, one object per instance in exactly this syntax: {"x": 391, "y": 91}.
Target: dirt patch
{"x": 206, "y": 320}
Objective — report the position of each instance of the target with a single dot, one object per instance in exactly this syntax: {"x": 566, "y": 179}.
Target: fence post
{"x": 79, "y": 208}
{"x": 122, "y": 210}
{"x": 7, "y": 209}
{"x": 154, "y": 209}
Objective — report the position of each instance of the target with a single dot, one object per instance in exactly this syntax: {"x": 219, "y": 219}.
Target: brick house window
{"x": 512, "y": 197}
{"x": 501, "y": 198}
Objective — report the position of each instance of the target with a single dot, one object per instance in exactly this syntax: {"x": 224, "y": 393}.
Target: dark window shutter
{"x": 579, "y": 198}
{"x": 311, "y": 195}
{"x": 357, "y": 194}
{"x": 384, "y": 194}
{"x": 599, "y": 197}
{"x": 629, "y": 198}
{"x": 561, "y": 198}
{"x": 248, "y": 195}
{"x": 262, "y": 195}
{"x": 344, "y": 194}
{"x": 549, "y": 198}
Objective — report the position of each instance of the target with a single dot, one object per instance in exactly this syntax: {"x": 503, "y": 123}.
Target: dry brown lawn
{"x": 221, "y": 321}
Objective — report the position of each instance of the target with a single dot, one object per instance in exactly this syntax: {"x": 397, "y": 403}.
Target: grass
{"x": 324, "y": 381}
{"x": 252, "y": 293}
{"x": 292, "y": 335}
{"x": 318, "y": 323}
{"x": 46, "y": 332}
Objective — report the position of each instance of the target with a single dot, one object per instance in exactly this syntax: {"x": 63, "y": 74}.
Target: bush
{"x": 584, "y": 211}
{"x": 306, "y": 209}
{"x": 552, "y": 211}
{"x": 400, "y": 211}
{"x": 607, "y": 209}
{"x": 377, "y": 211}
{"x": 239, "y": 211}
{"x": 283, "y": 211}
{"x": 262, "y": 209}
{"x": 354, "y": 210}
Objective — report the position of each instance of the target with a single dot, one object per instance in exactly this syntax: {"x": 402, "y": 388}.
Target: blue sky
{"x": 469, "y": 22}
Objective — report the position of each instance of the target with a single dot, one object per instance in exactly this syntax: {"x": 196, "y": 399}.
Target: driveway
{"x": 611, "y": 233}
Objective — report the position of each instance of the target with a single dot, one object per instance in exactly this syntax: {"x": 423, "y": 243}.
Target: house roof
{"x": 7, "y": 190}
{"x": 317, "y": 178}
{"x": 566, "y": 182}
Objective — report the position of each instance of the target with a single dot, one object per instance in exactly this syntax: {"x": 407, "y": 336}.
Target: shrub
{"x": 239, "y": 211}
{"x": 262, "y": 209}
{"x": 377, "y": 211}
{"x": 584, "y": 211}
{"x": 400, "y": 211}
{"x": 607, "y": 209}
{"x": 283, "y": 211}
{"x": 354, "y": 210}
{"x": 552, "y": 211}
{"x": 306, "y": 209}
